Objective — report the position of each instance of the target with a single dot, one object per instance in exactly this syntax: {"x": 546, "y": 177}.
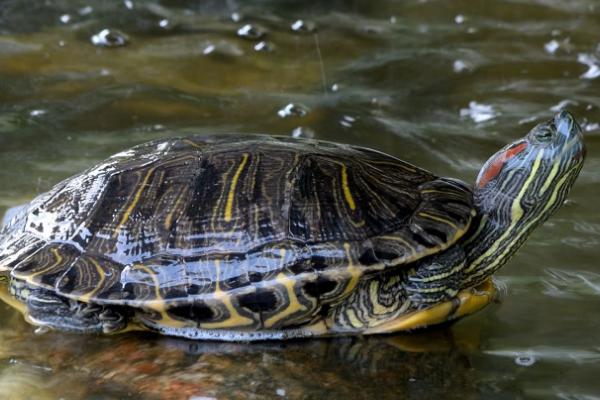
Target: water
{"x": 440, "y": 84}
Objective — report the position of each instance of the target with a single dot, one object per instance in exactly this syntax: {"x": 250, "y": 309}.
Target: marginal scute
{"x": 260, "y": 301}
{"x": 46, "y": 266}
{"x": 223, "y": 232}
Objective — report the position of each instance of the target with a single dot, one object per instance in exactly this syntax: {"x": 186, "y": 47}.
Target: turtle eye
{"x": 544, "y": 135}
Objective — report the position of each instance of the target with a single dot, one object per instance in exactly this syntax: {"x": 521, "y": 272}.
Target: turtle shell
{"x": 230, "y": 231}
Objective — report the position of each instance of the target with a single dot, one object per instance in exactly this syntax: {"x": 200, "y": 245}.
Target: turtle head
{"x": 529, "y": 179}
{"x": 518, "y": 188}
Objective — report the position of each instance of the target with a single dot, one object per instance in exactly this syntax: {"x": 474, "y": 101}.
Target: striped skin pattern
{"x": 233, "y": 232}
{"x": 531, "y": 185}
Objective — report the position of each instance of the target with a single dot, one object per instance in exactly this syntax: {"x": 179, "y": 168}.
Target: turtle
{"x": 258, "y": 237}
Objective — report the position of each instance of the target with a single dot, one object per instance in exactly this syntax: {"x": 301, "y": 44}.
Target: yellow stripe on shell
{"x": 29, "y": 277}
{"x": 86, "y": 297}
{"x": 159, "y": 304}
{"x": 346, "y": 188}
{"x": 438, "y": 219}
{"x": 136, "y": 199}
{"x": 234, "y": 181}
{"x": 294, "y": 305}
{"x": 353, "y": 270}
{"x": 169, "y": 219}
{"x": 235, "y": 319}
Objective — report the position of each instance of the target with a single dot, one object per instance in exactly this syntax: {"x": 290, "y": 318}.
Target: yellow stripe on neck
{"x": 515, "y": 217}
{"x": 551, "y": 201}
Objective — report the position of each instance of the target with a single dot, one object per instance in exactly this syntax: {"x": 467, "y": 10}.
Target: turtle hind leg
{"x": 44, "y": 308}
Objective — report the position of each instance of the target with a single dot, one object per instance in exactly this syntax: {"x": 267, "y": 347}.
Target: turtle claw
{"x": 112, "y": 321}
{"x": 84, "y": 310}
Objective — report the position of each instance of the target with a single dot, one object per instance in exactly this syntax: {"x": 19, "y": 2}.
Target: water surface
{"x": 440, "y": 84}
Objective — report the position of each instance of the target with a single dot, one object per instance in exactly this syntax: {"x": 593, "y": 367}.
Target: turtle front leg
{"x": 45, "y": 308}
{"x": 466, "y": 302}
{"x": 428, "y": 294}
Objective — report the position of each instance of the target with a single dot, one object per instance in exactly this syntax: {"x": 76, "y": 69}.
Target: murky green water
{"x": 441, "y": 84}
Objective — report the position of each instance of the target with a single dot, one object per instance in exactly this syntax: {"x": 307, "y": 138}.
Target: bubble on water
{"x": 459, "y": 19}
{"x": 335, "y": 87}
{"x": 164, "y": 23}
{"x": 85, "y": 10}
{"x": 109, "y": 38}
{"x": 552, "y": 46}
{"x": 250, "y": 31}
{"x": 264, "y": 46}
{"x": 280, "y": 392}
{"x": 303, "y": 132}
{"x": 347, "y": 121}
{"x": 461, "y": 66}
{"x": 222, "y": 47}
{"x": 208, "y": 49}
{"x": 526, "y": 359}
{"x": 65, "y": 18}
{"x": 61, "y": 43}
{"x": 393, "y": 20}
{"x": 37, "y": 113}
{"x": 479, "y": 112}
{"x": 590, "y": 126}
{"x": 592, "y": 63}
{"x": 236, "y": 17}
{"x": 128, "y": 4}
{"x": 293, "y": 110}
{"x": 303, "y": 26}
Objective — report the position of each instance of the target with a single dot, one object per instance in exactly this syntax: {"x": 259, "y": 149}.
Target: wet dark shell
{"x": 265, "y": 228}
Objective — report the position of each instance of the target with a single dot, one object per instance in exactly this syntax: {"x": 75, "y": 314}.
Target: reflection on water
{"x": 440, "y": 84}
{"x": 168, "y": 368}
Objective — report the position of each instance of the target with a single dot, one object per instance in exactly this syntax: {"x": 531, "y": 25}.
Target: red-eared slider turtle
{"x": 259, "y": 237}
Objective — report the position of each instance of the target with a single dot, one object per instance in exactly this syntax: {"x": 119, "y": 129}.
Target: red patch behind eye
{"x": 495, "y": 166}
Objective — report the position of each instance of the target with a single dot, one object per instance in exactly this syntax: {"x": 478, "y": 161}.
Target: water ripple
{"x": 479, "y": 112}
{"x": 571, "y": 284}
{"x": 592, "y": 63}
{"x": 553, "y": 354}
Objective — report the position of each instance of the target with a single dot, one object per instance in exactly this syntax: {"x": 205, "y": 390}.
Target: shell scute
{"x": 258, "y": 231}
